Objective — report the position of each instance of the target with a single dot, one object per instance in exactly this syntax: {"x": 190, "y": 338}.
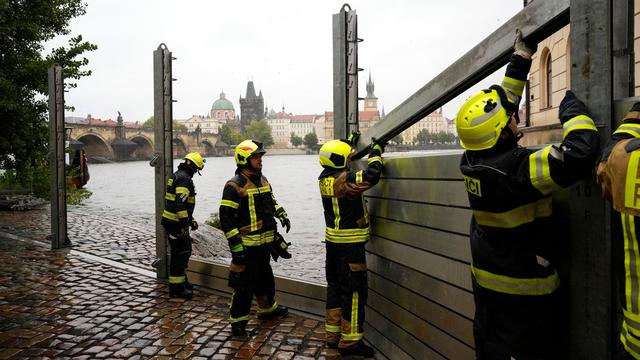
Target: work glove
{"x": 571, "y": 107}
{"x": 376, "y": 149}
{"x": 353, "y": 138}
{"x": 521, "y": 48}
{"x": 194, "y": 225}
{"x": 238, "y": 257}
{"x": 278, "y": 248}
{"x": 183, "y": 234}
{"x": 284, "y": 220}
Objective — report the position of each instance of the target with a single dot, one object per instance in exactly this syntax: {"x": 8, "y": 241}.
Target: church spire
{"x": 370, "y": 87}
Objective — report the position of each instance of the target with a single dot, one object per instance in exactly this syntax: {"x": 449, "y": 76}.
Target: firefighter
{"x": 247, "y": 215}
{"x": 513, "y": 246}
{"x": 619, "y": 176}
{"x": 346, "y": 232}
{"x": 177, "y": 218}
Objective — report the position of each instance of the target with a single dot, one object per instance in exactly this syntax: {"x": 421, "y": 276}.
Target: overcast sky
{"x": 285, "y": 47}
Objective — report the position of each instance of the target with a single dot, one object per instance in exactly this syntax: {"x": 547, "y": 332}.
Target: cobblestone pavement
{"x": 58, "y": 304}
{"x": 129, "y": 238}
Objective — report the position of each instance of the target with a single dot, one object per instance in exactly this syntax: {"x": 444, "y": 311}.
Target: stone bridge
{"x": 121, "y": 143}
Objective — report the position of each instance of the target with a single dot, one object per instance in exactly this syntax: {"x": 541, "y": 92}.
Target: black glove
{"x": 234, "y": 279}
{"x": 571, "y": 107}
{"x": 284, "y": 220}
{"x": 194, "y": 225}
{"x": 353, "y": 138}
{"x": 183, "y": 234}
{"x": 278, "y": 248}
{"x": 238, "y": 258}
{"x": 376, "y": 149}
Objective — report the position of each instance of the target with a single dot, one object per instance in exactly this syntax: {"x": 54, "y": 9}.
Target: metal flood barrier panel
{"x": 297, "y": 294}
{"x": 420, "y": 300}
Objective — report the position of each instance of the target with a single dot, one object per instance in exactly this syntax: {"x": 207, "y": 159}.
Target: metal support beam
{"x": 163, "y": 137}
{"x": 537, "y": 21}
{"x": 345, "y": 72}
{"x": 592, "y": 335}
{"x": 623, "y": 52}
{"x": 57, "y": 164}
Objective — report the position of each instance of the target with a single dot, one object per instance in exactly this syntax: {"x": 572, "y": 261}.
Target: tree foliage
{"x": 151, "y": 122}
{"x": 397, "y": 139}
{"x": 295, "y": 140}
{"x": 311, "y": 140}
{"x": 229, "y": 136}
{"x": 25, "y": 26}
{"x": 425, "y": 137}
{"x": 259, "y": 130}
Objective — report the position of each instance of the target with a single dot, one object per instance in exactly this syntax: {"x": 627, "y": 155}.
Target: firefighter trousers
{"x": 521, "y": 327}
{"x": 346, "y": 273}
{"x": 256, "y": 279}
{"x": 179, "y": 260}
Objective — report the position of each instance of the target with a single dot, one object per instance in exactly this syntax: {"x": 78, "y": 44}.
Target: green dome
{"x": 222, "y": 103}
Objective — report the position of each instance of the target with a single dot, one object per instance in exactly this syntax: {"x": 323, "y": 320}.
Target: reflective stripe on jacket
{"x": 180, "y": 199}
{"x": 247, "y": 211}
{"x": 345, "y": 211}
{"x": 608, "y": 169}
{"x": 513, "y": 241}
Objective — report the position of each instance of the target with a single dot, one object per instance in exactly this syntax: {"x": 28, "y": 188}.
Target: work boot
{"x": 180, "y": 291}
{"x": 360, "y": 350}
{"x": 238, "y": 328}
{"x": 279, "y": 311}
{"x": 332, "y": 344}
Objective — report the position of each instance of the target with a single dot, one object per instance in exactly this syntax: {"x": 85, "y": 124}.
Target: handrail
{"x": 537, "y": 21}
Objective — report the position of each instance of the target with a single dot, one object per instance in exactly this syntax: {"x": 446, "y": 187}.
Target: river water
{"x": 128, "y": 187}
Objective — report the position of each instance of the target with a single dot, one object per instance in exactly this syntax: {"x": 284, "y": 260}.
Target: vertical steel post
{"x": 345, "y": 72}
{"x": 623, "y": 52}
{"x": 352, "y": 73}
{"x": 339, "y": 76}
{"x": 57, "y": 173}
{"x": 163, "y": 137}
{"x": 592, "y": 336}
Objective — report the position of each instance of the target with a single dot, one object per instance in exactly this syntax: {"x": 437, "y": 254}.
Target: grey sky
{"x": 285, "y": 47}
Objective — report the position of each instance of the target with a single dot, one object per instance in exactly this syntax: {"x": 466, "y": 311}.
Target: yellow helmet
{"x": 334, "y": 154}
{"x": 196, "y": 159}
{"x": 246, "y": 149}
{"x": 480, "y": 120}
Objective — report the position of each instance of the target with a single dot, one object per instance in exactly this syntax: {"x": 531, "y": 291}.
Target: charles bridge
{"x": 121, "y": 142}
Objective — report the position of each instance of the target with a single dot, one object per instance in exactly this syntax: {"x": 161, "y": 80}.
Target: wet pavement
{"x": 74, "y": 304}
{"x": 129, "y": 238}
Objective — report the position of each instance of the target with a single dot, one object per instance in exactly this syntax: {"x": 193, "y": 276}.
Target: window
{"x": 549, "y": 81}
{"x": 546, "y": 80}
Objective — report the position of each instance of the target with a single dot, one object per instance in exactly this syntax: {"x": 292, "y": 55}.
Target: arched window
{"x": 568, "y": 58}
{"x": 546, "y": 79}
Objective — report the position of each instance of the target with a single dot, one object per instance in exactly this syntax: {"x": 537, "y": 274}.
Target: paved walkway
{"x": 74, "y": 304}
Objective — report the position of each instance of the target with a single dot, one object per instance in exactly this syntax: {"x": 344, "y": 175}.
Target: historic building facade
{"x": 251, "y": 106}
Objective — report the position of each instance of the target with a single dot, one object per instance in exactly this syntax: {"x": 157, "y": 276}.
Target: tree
{"x": 25, "y": 26}
{"x": 311, "y": 140}
{"x": 423, "y": 137}
{"x": 397, "y": 139}
{"x": 295, "y": 139}
{"x": 151, "y": 123}
{"x": 228, "y": 136}
{"x": 259, "y": 130}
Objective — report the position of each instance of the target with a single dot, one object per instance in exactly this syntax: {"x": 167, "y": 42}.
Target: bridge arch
{"x": 96, "y": 147}
{"x": 144, "y": 147}
{"x": 179, "y": 148}
{"x": 209, "y": 149}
